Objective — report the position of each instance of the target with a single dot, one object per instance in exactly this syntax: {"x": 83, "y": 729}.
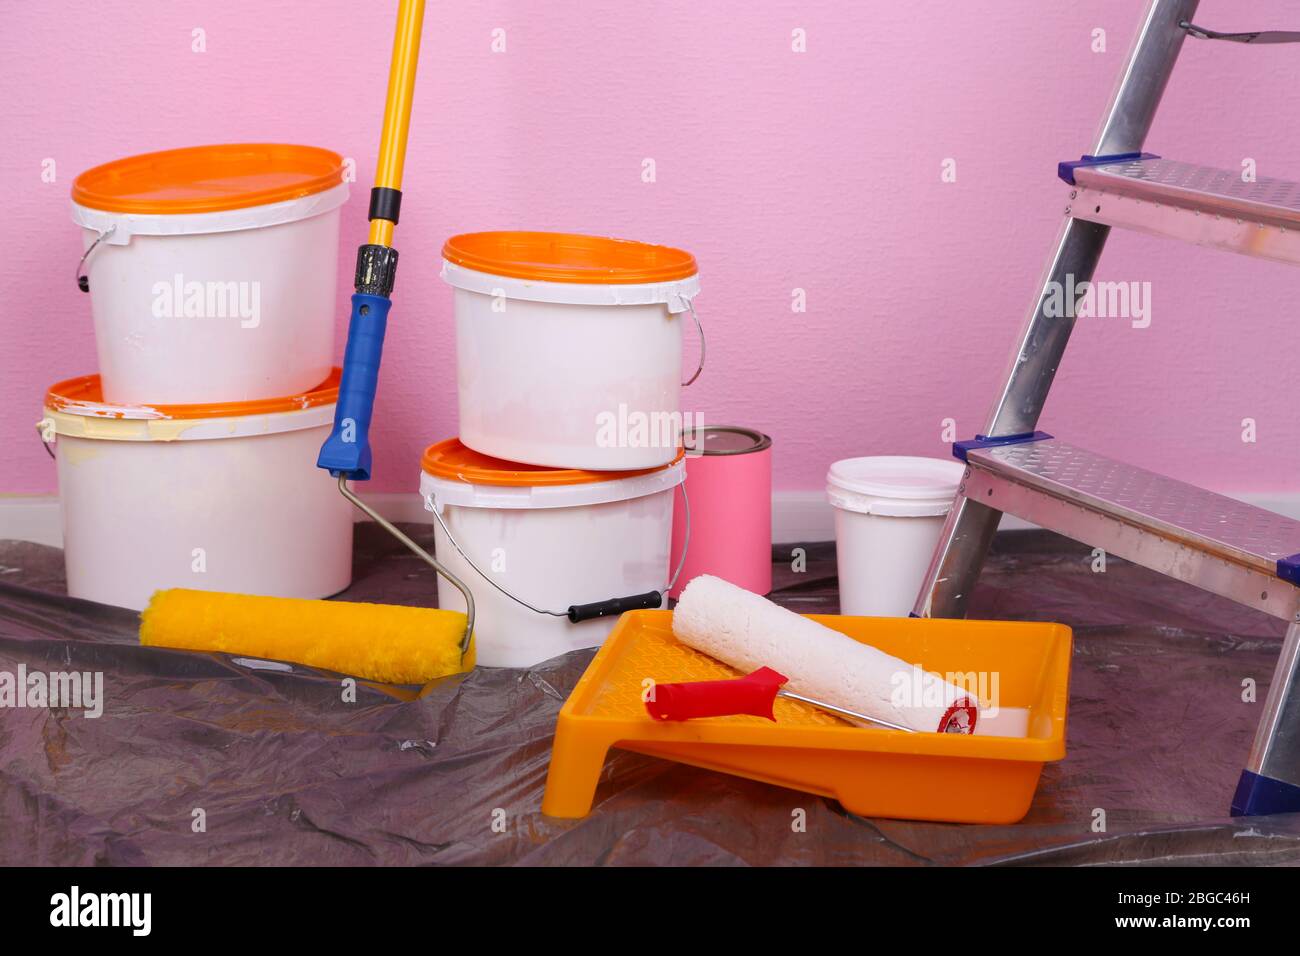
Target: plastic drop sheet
{"x": 285, "y": 772}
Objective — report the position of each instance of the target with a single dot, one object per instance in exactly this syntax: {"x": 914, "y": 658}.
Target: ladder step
{"x": 1222, "y": 545}
{"x": 1198, "y": 204}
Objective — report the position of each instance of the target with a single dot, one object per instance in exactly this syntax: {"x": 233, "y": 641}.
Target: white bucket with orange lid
{"x": 223, "y": 497}
{"x": 211, "y": 271}
{"x": 569, "y": 348}
{"x": 552, "y": 556}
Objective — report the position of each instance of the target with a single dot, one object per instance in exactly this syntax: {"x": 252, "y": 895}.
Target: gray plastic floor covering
{"x": 284, "y": 772}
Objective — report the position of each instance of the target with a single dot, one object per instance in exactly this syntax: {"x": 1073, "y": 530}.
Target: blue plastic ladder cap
{"x": 1066, "y": 170}
{"x": 961, "y": 448}
{"x": 1259, "y": 796}
{"x": 1288, "y": 569}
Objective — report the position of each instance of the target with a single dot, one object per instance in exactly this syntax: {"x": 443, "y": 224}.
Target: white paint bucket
{"x": 218, "y": 498}
{"x": 547, "y": 538}
{"x": 889, "y": 511}
{"x": 569, "y": 348}
{"x": 212, "y": 271}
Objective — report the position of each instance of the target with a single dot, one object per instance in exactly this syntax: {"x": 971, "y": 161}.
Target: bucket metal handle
{"x": 579, "y": 612}
{"x": 83, "y": 280}
{"x": 420, "y": 553}
{"x": 45, "y": 428}
{"x": 1254, "y": 36}
{"x": 699, "y": 328}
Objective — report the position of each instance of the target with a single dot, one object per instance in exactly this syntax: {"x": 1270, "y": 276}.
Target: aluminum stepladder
{"x": 1221, "y": 545}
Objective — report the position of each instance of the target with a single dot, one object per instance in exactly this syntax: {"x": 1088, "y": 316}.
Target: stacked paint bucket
{"x": 189, "y": 459}
{"x": 556, "y": 502}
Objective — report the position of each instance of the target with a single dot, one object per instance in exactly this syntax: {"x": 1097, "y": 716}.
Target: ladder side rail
{"x": 1270, "y": 782}
{"x": 970, "y": 526}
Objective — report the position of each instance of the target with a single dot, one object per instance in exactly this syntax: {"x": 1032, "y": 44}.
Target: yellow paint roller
{"x": 400, "y": 645}
{"x": 380, "y": 642}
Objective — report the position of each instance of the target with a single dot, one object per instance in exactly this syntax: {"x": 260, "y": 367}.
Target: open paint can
{"x": 729, "y": 478}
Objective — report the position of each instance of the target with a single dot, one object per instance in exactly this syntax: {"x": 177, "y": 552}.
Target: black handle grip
{"x": 636, "y": 602}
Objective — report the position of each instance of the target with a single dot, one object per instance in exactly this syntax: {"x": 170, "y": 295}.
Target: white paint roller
{"x": 747, "y": 632}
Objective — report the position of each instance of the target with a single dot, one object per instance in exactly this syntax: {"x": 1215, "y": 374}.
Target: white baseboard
{"x": 800, "y": 516}
{"x": 31, "y": 518}
{"x": 797, "y": 516}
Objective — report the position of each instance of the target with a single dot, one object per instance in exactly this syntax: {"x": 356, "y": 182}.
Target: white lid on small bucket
{"x": 894, "y": 485}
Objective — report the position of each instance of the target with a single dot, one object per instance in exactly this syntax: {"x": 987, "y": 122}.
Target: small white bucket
{"x": 233, "y": 302}
{"x": 562, "y": 358}
{"x": 548, "y": 539}
{"x": 889, "y": 511}
{"x": 217, "y": 498}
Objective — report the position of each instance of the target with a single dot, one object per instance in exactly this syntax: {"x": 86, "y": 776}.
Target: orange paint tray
{"x": 873, "y": 772}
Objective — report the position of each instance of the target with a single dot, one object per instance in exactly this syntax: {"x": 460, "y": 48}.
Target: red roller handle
{"x": 752, "y": 694}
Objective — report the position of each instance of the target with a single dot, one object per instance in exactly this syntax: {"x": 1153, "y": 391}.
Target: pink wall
{"x": 779, "y": 170}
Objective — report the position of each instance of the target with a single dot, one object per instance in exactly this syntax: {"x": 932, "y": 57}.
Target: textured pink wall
{"x": 779, "y": 170}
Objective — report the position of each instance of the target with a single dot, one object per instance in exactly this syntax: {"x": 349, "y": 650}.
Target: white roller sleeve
{"x": 748, "y": 632}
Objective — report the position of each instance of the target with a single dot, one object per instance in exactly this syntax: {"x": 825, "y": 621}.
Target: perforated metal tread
{"x": 1173, "y": 509}
{"x": 1198, "y": 188}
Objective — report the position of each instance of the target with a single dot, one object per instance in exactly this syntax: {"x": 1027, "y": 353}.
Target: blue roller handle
{"x": 347, "y": 450}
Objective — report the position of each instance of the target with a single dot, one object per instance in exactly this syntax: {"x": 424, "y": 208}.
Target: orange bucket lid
{"x": 452, "y": 460}
{"x": 566, "y": 257}
{"x": 208, "y": 178}
{"x": 85, "y": 396}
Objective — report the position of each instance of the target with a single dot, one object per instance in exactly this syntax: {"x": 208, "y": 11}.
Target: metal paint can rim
{"x": 758, "y": 441}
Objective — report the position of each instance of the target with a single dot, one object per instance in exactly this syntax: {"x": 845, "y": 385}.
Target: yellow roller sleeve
{"x": 380, "y": 642}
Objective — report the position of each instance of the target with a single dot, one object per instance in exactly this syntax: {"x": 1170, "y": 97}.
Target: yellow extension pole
{"x": 397, "y": 109}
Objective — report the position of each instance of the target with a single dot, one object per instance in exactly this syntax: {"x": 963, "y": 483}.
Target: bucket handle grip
{"x": 699, "y": 328}
{"x": 635, "y": 602}
{"x": 577, "y": 613}
{"x": 83, "y": 280}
